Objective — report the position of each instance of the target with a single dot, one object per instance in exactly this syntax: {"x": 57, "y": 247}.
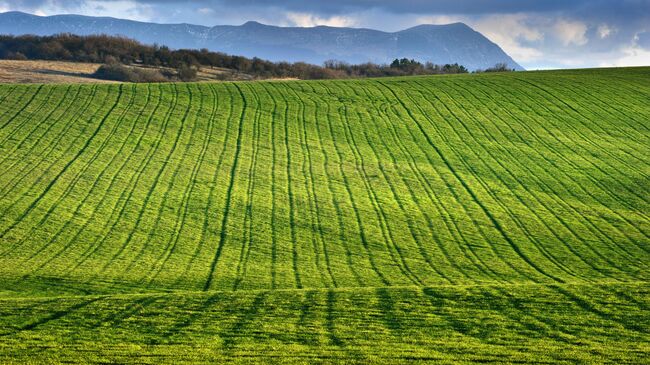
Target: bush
{"x": 187, "y": 73}
{"x": 16, "y": 56}
{"x": 499, "y": 67}
{"x": 118, "y": 72}
{"x": 183, "y": 64}
{"x": 399, "y": 67}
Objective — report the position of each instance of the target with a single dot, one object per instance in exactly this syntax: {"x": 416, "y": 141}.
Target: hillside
{"x": 490, "y": 217}
{"x": 61, "y": 72}
{"x": 440, "y": 44}
{"x": 46, "y": 72}
{"x": 126, "y": 59}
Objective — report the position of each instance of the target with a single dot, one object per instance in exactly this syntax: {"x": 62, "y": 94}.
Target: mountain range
{"x": 440, "y": 44}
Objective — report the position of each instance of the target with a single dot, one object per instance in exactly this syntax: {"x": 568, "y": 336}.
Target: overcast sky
{"x": 537, "y": 34}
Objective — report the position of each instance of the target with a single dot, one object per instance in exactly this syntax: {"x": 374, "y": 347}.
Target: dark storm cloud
{"x": 414, "y": 6}
{"x": 606, "y": 7}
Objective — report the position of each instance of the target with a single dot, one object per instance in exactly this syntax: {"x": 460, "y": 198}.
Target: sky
{"x": 537, "y": 34}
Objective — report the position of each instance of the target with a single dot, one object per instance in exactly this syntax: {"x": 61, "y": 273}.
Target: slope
{"x": 454, "y": 201}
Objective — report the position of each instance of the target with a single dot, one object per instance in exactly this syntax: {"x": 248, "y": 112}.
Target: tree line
{"x": 116, "y": 51}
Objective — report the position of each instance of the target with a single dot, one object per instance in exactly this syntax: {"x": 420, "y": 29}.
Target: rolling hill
{"x": 466, "y": 218}
{"x": 440, "y": 44}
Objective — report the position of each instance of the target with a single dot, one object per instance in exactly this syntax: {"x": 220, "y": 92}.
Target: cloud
{"x": 311, "y": 20}
{"x": 338, "y": 7}
{"x": 605, "y": 31}
{"x": 634, "y": 57}
{"x": 441, "y": 19}
{"x": 642, "y": 40}
{"x": 571, "y": 32}
{"x": 409, "y": 7}
{"x": 536, "y": 33}
{"x": 630, "y": 56}
{"x": 511, "y": 32}
{"x": 206, "y": 11}
{"x": 127, "y": 9}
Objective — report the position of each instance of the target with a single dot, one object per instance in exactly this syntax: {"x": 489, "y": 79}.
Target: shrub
{"x": 499, "y": 67}
{"x": 17, "y": 56}
{"x": 186, "y": 73}
{"x": 118, "y": 72}
{"x": 184, "y": 63}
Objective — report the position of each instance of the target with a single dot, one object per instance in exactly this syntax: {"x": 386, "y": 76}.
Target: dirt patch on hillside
{"x": 47, "y": 72}
{"x": 62, "y": 72}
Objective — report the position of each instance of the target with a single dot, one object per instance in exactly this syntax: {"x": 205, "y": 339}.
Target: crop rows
{"x": 325, "y": 184}
{"x": 446, "y": 324}
{"x": 320, "y": 187}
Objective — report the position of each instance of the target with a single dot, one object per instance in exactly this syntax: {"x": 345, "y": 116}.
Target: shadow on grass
{"x": 66, "y": 73}
{"x": 51, "y": 317}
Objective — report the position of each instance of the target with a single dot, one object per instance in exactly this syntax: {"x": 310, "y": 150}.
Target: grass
{"x": 63, "y": 72}
{"x": 470, "y": 218}
{"x": 445, "y": 324}
{"x": 13, "y": 71}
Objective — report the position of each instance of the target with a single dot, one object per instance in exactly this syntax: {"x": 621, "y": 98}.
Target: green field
{"x": 478, "y": 218}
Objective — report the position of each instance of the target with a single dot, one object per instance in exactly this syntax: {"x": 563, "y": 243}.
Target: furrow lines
{"x": 56, "y": 178}
{"x": 480, "y": 264}
{"x": 30, "y": 166}
{"x": 594, "y": 179}
{"x": 73, "y": 182}
{"x": 316, "y": 210}
{"x": 292, "y": 218}
{"x": 337, "y": 206}
{"x": 442, "y": 210}
{"x": 26, "y": 115}
{"x": 624, "y": 98}
{"x": 274, "y": 194}
{"x": 231, "y": 183}
{"x": 551, "y": 174}
{"x": 386, "y": 232}
{"x": 583, "y": 136}
{"x": 190, "y": 187}
{"x": 90, "y": 193}
{"x": 22, "y": 108}
{"x": 413, "y": 196}
{"x": 631, "y": 133}
{"x": 308, "y": 177}
{"x": 148, "y": 242}
{"x": 353, "y": 202}
{"x": 46, "y": 118}
{"x": 516, "y": 248}
{"x": 531, "y": 194}
{"x": 133, "y": 182}
{"x": 586, "y": 305}
{"x": 537, "y": 244}
{"x": 216, "y": 174}
{"x": 6, "y": 93}
{"x": 250, "y": 190}
{"x": 622, "y": 144}
{"x": 152, "y": 187}
{"x": 11, "y": 100}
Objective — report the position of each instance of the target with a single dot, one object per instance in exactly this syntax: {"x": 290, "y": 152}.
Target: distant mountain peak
{"x": 440, "y": 44}
{"x": 434, "y": 26}
{"x": 253, "y": 23}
